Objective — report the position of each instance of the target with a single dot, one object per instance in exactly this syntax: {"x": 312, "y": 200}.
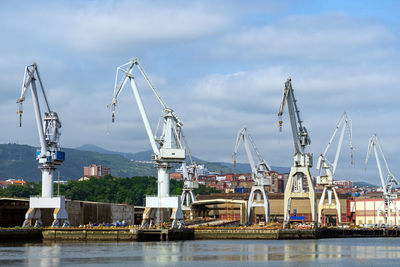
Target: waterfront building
{"x": 364, "y": 210}
{"x": 12, "y": 212}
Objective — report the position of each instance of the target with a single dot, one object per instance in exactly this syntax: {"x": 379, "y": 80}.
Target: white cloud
{"x": 332, "y": 37}
{"x": 108, "y": 26}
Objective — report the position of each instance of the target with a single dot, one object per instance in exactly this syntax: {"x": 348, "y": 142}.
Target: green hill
{"x": 18, "y": 161}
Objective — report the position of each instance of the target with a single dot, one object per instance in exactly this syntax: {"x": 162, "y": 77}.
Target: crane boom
{"x": 373, "y": 143}
{"x": 345, "y": 123}
{"x": 301, "y": 139}
{"x": 117, "y": 91}
{"x": 48, "y": 131}
{"x": 260, "y": 170}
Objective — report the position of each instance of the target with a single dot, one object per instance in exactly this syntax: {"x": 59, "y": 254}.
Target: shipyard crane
{"x": 327, "y": 169}
{"x": 389, "y": 196}
{"x": 167, "y": 149}
{"x": 190, "y": 180}
{"x": 259, "y": 174}
{"x": 303, "y": 160}
{"x": 50, "y": 154}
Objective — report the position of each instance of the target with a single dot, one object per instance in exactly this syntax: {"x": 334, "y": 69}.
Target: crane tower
{"x": 167, "y": 149}
{"x": 49, "y": 156}
{"x": 259, "y": 175}
{"x": 303, "y": 161}
{"x": 327, "y": 169}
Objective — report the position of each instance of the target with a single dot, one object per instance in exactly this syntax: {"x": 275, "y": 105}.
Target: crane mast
{"x": 303, "y": 160}
{"x": 327, "y": 169}
{"x": 167, "y": 149}
{"x": 389, "y": 196}
{"x": 50, "y": 154}
{"x": 259, "y": 174}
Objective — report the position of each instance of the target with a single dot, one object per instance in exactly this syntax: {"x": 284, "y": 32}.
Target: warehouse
{"x": 12, "y": 212}
{"x": 232, "y": 205}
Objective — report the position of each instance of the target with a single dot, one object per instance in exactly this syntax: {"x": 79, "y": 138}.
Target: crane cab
{"x": 56, "y": 157}
{"x": 173, "y": 154}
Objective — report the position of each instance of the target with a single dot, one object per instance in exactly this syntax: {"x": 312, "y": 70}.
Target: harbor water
{"x": 330, "y": 252}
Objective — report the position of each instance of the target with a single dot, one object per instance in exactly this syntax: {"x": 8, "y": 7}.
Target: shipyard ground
{"x": 127, "y": 234}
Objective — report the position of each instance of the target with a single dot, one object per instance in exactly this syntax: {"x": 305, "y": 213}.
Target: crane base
{"x": 258, "y": 191}
{"x": 60, "y": 214}
{"x": 322, "y": 205}
{"x": 188, "y": 198}
{"x": 160, "y": 210}
{"x": 294, "y": 189}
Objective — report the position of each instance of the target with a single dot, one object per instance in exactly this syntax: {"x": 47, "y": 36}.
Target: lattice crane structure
{"x": 327, "y": 169}
{"x": 303, "y": 160}
{"x": 259, "y": 174}
{"x": 167, "y": 149}
{"x": 49, "y": 156}
{"x": 388, "y": 205}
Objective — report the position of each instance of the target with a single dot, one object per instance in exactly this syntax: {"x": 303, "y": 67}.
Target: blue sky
{"x": 219, "y": 64}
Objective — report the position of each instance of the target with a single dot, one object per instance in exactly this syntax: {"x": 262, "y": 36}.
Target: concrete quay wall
{"x": 90, "y": 235}
{"x": 126, "y": 234}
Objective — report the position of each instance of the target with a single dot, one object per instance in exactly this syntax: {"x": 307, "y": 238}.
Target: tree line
{"x": 106, "y": 189}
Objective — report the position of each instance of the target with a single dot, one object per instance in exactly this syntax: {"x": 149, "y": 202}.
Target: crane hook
{"x": 113, "y": 117}
{"x": 280, "y": 123}
{"x": 20, "y": 114}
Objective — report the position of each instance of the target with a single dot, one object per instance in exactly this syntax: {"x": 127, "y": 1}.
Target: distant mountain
{"x": 363, "y": 184}
{"x": 146, "y": 156}
{"x": 223, "y": 167}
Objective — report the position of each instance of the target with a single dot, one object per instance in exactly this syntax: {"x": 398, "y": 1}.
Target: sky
{"x": 221, "y": 65}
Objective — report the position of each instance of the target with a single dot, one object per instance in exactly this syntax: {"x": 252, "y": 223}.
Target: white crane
{"x": 259, "y": 174}
{"x": 327, "y": 169}
{"x": 389, "y": 196}
{"x": 167, "y": 149}
{"x": 302, "y": 156}
{"x": 49, "y": 155}
{"x": 190, "y": 180}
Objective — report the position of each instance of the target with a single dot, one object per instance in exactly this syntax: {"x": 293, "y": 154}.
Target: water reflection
{"x": 43, "y": 256}
{"x": 257, "y": 251}
{"x": 197, "y": 253}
